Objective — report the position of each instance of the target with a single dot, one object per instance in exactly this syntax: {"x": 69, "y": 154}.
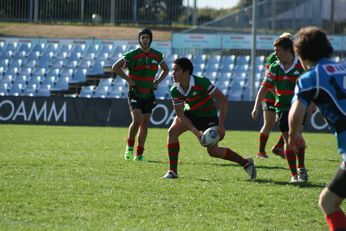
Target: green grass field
{"x": 75, "y": 178}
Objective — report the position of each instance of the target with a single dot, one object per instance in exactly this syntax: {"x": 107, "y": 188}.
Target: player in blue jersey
{"x": 324, "y": 83}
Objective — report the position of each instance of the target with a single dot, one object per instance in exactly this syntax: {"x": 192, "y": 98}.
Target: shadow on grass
{"x": 300, "y": 185}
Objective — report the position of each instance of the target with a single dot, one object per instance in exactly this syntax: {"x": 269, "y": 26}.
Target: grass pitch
{"x": 75, "y": 178}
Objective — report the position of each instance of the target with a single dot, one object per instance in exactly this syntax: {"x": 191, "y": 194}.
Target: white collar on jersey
{"x": 295, "y": 61}
{"x": 191, "y": 83}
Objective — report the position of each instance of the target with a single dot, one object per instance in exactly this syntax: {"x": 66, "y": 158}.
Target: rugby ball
{"x": 210, "y": 137}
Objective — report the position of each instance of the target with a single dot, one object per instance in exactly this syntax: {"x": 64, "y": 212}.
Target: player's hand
{"x": 311, "y": 108}
{"x": 254, "y": 113}
{"x": 221, "y": 130}
{"x": 155, "y": 85}
{"x": 131, "y": 83}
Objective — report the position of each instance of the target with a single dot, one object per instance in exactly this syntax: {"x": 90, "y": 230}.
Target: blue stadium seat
{"x": 105, "y": 82}
{"x": 16, "y": 63}
{"x": 101, "y": 91}
{"x": 38, "y": 48}
{"x": 11, "y": 47}
{"x": 97, "y": 68}
{"x": 4, "y": 62}
{"x": 61, "y": 84}
{"x": 213, "y": 59}
{"x": 79, "y": 76}
{"x": 211, "y": 68}
{"x": 26, "y": 47}
{"x": 242, "y": 60}
{"x": 30, "y": 90}
{"x": 87, "y": 92}
{"x": 4, "y": 88}
{"x": 35, "y": 79}
{"x": 223, "y": 84}
{"x": 71, "y": 63}
{"x": 32, "y": 63}
{"x": 16, "y": 90}
{"x": 199, "y": 59}
{"x": 21, "y": 79}
{"x": 117, "y": 92}
{"x": 162, "y": 91}
{"x": 224, "y": 77}
{"x": 44, "y": 90}
{"x": 67, "y": 72}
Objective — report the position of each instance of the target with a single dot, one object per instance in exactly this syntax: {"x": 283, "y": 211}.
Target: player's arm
{"x": 163, "y": 74}
{"x": 223, "y": 106}
{"x": 179, "y": 111}
{"x": 295, "y": 121}
{"x": 259, "y": 97}
{"x": 117, "y": 68}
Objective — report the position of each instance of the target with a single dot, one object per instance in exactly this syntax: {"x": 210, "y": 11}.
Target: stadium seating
{"x": 38, "y": 69}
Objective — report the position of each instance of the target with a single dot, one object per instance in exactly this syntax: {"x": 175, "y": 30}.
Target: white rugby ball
{"x": 210, "y": 137}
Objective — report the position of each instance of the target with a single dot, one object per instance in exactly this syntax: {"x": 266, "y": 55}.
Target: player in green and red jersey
{"x": 142, "y": 64}
{"x": 282, "y": 76}
{"x": 195, "y": 107}
{"x": 269, "y": 118}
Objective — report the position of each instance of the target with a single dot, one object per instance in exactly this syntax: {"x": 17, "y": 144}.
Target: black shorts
{"x": 268, "y": 106}
{"x": 145, "y": 105}
{"x": 338, "y": 183}
{"x": 202, "y": 123}
{"x": 283, "y": 121}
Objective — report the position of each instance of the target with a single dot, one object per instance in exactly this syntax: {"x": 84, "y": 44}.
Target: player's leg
{"x": 174, "y": 131}
{"x": 331, "y": 198}
{"x": 268, "y": 124}
{"x": 230, "y": 155}
{"x": 142, "y": 136}
{"x": 136, "y": 116}
{"x": 288, "y": 151}
{"x": 300, "y": 152}
{"x": 146, "y": 106}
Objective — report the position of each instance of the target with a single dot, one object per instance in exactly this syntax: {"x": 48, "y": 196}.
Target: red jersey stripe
{"x": 142, "y": 78}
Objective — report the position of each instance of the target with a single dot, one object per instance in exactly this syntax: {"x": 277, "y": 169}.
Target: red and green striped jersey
{"x": 196, "y": 99}
{"x": 142, "y": 69}
{"x": 284, "y": 82}
{"x": 270, "y": 97}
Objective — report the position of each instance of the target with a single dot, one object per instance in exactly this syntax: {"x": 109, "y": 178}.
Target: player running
{"x": 282, "y": 76}
{"x": 194, "y": 104}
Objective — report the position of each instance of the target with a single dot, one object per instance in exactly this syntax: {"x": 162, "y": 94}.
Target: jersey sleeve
{"x": 306, "y": 88}
{"x": 177, "y": 98}
{"x": 209, "y": 86}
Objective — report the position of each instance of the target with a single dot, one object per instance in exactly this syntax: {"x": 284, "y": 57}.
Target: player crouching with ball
{"x": 194, "y": 104}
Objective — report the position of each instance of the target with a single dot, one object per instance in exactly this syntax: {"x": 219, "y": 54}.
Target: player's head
{"x": 182, "y": 69}
{"x": 143, "y": 35}
{"x": 311, "y": 43}
{"x": 283, "y": 48}
{"x": 185, "y": 64}
{"x": 287, "y": 35}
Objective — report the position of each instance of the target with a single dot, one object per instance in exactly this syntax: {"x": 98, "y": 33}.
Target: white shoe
{"x": 302, "y": 175}
{"x": 250, "y": 169}
{"x": 170, "y": 175}
{"x": 294, "y": 180}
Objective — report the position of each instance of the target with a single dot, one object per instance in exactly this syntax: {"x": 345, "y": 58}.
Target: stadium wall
{"x": 115, "y": 112}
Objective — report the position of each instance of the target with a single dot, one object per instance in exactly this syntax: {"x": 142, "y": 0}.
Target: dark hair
{"x": 184, "y": 64}
{"x": 284, "y": 42}
{"x": 145, "y": 31}
{"x": 312, "y": 43}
